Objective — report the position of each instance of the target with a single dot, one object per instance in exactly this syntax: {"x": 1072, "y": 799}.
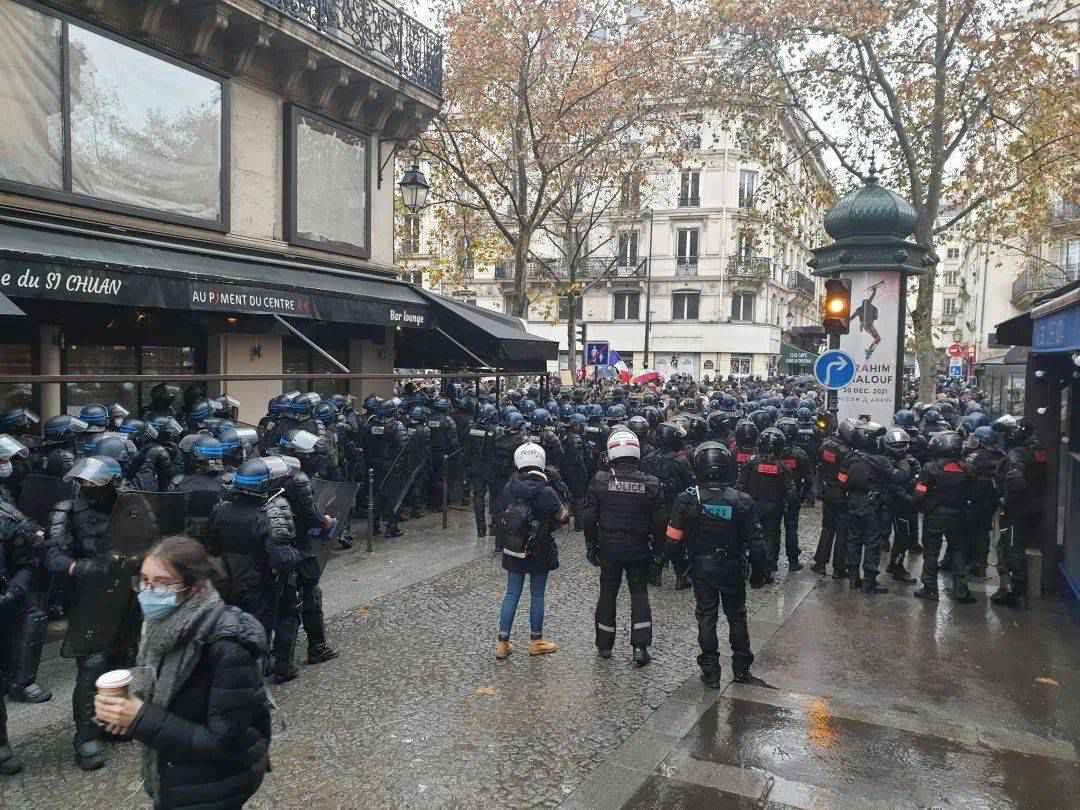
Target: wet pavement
{"x": 863, "y": 701}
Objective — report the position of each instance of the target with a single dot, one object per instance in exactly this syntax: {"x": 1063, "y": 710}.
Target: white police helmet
{"x": 530, "y": 456}
{"x": 623, "y": 444}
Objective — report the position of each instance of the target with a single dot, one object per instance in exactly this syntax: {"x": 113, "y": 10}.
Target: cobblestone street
{"x": 417, "y": 713}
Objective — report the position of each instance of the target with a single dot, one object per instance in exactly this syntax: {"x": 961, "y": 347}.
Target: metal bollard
{"x": 370, "y": 510}
{"x": 445, "y": 491}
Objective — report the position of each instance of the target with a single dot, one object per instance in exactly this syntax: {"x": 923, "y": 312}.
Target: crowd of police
{"x": 704, "y": 478}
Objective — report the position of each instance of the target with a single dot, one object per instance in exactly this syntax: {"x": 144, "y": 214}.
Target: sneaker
{"x": 90, "y": 755}
{"x": 641, "y": 656}
{"x": 31, "y": 693}
{"x": 819, "y": 568}
{"x": 541, "y": 646}
{"x": 503, "y": 650}
{"x": 321, "y": 653}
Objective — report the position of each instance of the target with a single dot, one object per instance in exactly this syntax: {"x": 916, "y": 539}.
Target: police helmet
{"x": 616, "y": 411}
{"x": 761, "y": 419}
{"x": 207, "y": 452}
{"x": 138, "y": 431}
{"x": 63, "y": 427}
{"x": 163, "y": 394}
{"x": 304, "y": 405}
{"x": 973, "y": 421}
{"x": 441, "y": 405}
{"x": 300, "y": 442}
{"x": 387, "y": 409}
{"x": 541, "y": 417}
{"x": 278, "y": 405}
{"x": 325, "y": 412}
{"x": 789, "y": 427}
{"x": 514, "y": 420}
{"x": 713, "y": 462}
{"x": 896, "y": 442}
{"x": 653, "y": 414}
{"x": 95, "y": 471}
{"x": 946, "y": 444}
{"x": 168, "y": 429}
{"x": 113, "y": 446}
{"x": 257, "y": 475}
{"x": 867, "y": 436}
{"x": 530, "y": 456}
{"x": 576, "y": 422}
{"x": 904, "y": 418}
{"x": 846, "y": 431}
{"x": 639, "y": 426}
{"x": 488, "y": 414}
{"x": 19, "y": 420}
{"x": 746, "y": 434}
{"x": 772, "y": 442}
{"x": 985, "y": 437}
{"x": 623, "y": 444}
{"x": 200, "y": 411}
{"x": 931, "y": 416}
{"x": 670, "y": 436}
{"x": 791, "y": 404}
{"x": 10, "y": 448}
{"x": 96, "y": 418}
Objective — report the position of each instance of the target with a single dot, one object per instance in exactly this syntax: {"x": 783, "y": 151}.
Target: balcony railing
{"x": 687, "y": 201}
{"x": 757, "y": 268}
{"x": 686, "y": 266}
{"x": 801, "y": 283}
{"x": 1066, "y": 211}
{"x": 1037, "y": 280}
{"x": 948, "y": 318}
{"x": 377, "y": 31}
{"x": 592, "y": 268}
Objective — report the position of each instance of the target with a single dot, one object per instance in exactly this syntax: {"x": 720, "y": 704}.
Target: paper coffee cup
{"x": 114, "y": 683}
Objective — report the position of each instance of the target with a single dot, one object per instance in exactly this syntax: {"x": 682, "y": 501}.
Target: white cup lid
{"x": 116, "y": 679}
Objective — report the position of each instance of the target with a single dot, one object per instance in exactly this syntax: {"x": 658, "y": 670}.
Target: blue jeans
{"x": 515, "y": 584}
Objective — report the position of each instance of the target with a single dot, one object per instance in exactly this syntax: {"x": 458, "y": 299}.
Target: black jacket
{"x": 546, "y": 506}
{"x": 213, "y": 740}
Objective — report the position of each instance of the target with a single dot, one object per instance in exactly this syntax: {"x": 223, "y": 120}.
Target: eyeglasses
{"x": 138, "y": 584}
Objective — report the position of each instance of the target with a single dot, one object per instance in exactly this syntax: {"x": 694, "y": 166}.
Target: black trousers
{"x": 711, "y": 590}
{"x": 311, "y": 605}
{"x": 1012, "y": 558}
{"x": 863, "y": 543}
{"x": 833, "y": 541}
{"x": 88, "y": 669}
{"x": 611, "y": 576}
{"x": 480, "y": 488}
{"x": 905, "y": 524}
{"x": 791, "y": 531}
{"x": 770, "y": 528}
{"x": 950, "y": 528}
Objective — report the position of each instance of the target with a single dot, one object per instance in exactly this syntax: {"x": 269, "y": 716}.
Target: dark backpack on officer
{"x": 517, "y": 528}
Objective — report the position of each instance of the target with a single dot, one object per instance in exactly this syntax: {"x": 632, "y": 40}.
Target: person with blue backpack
{"x": 527, "y": 512}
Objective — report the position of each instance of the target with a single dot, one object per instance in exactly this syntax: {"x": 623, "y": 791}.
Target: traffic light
{"x": 837, "y": 318}
{"x": 581, "y": 335}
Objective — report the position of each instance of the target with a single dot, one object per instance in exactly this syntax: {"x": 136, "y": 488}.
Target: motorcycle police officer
{"x": 624, "y": 521}
{"x": 720, "y": 528}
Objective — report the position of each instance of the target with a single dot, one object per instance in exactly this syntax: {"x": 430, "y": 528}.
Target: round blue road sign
{"x": 834, "y": 369}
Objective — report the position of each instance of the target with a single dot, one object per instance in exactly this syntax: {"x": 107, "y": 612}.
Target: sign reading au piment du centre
{"x": 872, "y": 344}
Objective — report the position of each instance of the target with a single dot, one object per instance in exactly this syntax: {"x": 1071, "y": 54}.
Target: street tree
{"x": 970, "y": 107}
{"x": 537, "y": 90}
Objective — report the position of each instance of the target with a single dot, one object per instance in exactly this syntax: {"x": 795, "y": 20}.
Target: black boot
{"x": 90, "y": 755}
{"x": 794, "y": 565}
{"x": 819, "y": 568}
{"x": 926, "y": 593}
{"x": 742, "y": 676}
{"x": 900, "y": 574}
{"x": 656, "y": 575}
{"x": 9, "y": 763}
{"x": 321, "y": 653}
{"x": 711, "y": 678}
{"x": 641, "y": 656}
{"x": 604, "y": 652}
{"x": 855, "y": 583}
{"x": 682, "y": 582}
{"x": 871, "y": 586}
{"x": 31, "y": 693}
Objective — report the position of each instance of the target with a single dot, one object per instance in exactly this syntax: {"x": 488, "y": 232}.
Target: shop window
{"x": 16, "y": 358}
{"x": 165, "y": 360}
{"x": 121, "y": 129}
{"x": 741, "y": 364}
{"x": 91, "y": 360}
{"x": 299, "y": 358}
{"x": 329, "y": 182}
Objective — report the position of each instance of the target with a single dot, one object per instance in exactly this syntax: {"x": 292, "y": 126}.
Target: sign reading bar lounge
{"x": 65, "y": 282}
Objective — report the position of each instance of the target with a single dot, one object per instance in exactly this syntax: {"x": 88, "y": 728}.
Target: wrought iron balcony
{"x": 1037, "y": 280}
{"x": 750, "y": 268}
{"x": 686, "y": 266}
{"x": 948, "y": 319}
{"x": 688, "y": 201}
{"x": 594, "y": 267}
{"x": 801, "y": 283}
{"x": 376, "y": 30}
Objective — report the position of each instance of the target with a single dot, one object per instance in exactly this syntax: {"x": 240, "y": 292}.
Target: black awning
{"x": 470, "y": 337}
{"x": 8, "y": 308}
{"x": 63, "y": 263}
{"x": 1015, "y": 331}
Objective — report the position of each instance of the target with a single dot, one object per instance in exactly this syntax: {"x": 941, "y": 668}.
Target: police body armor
{"x": 506, "y": 442}
{"x": 671, "y": 470}
{"x": 203, "y": 492}
{"x": 984, "y": 463}
{"x": 947, "y": 494}
{"x": 625, "y": 504}
{"x": 833, "y": 457}
{"x": 715, "y": 544}
{"x": 152, "y": 469}
{"x": 765, "y": 479}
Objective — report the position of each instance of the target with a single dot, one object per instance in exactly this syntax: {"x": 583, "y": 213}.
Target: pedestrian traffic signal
{"x": 837, "y": 318}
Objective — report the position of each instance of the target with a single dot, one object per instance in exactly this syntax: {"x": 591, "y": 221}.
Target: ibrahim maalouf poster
{"x": 871, "y": 343}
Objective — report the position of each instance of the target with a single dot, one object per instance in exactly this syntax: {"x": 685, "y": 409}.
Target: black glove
{"x": 592, "y": 554}
{"x": 92, "y": 566}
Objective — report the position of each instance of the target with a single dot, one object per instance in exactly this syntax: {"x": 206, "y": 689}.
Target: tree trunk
{"x": 521, "y": 276}
{"x": 922, "y": 318}
{"x": 571, "y": 339}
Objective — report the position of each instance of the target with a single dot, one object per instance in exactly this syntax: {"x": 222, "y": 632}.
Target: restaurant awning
{"x": 1015, "y": 331}
{"x": 468, "y": 336}
{"x": 8, "y": 308}
{"x": 796, "y": 356}
{"x": 66, "y": 263}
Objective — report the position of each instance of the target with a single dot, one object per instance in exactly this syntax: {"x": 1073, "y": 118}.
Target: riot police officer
{"x": 944, "y": 487}
{"x": 575, "y": 467}
{"x": 798, "y": 464}
{"x": 77, "y": 545}
{"x": 505, "y": 445}
{"x": 479, "y": 456}
{"x": 746, "y": 440}
{"x": 203, "y": 485}
{"x": 444, "y": 453}
{"x": 721, "y": 530}
{"x": 901, "y": 507}
{"x": 771, "y": 484}
{"x": 253, "y": 532}
{"x": 675, "y": 475}
{"x": 1022, "y": 483}
{"x": 152, "y": 468}
{"x": 386, "y": 439}
{"x": 162, "y": 397}
{"x": 867, "y": 478}
{"x": 624, "y": 521}
{"x": 985, "y": 458}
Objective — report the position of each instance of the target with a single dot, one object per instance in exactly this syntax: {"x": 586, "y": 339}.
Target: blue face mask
{"x": 156, "y": 606}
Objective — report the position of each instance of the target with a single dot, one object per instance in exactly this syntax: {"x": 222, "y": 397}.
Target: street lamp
{"x": 648, "y": 290}
{"x": 414, "y": 186}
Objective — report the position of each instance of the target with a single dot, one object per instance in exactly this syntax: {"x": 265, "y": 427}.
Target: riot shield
{"x": 40, "y": 494}
{"x": 104, "y": 615}
{"x": 334, "y": 498}
{"x": 403, "y": 472}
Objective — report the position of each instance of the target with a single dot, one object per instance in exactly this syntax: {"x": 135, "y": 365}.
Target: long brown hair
{"x": 189, "y": 559}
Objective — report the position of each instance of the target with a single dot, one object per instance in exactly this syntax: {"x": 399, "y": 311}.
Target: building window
{"x": 953, "y": 253}
{"x": 744, "y": 246}
{"x": 628, "y": 248}
{"x": 465, "y": 297}
{"x": 949, "y": 306}
{"x": 952, "y": 278}
{"x": 630, "y": 191}
{"x": 508, "y": 306}
{"x": 16, "y": 358}
{"x": 687, "y": 251}
{"x": 742, "y": 364}
{"x": 327, "y": 180}
{"x": 742, "y": 306}
{"x": 119, "y": 129}
{"x": 564, "y": 307}
{"x": 413, "y": 277}
{"x": 410, "y": 238}
{"x": 132, "y": 360}
{"x": 299, "y": 358}
{"x": 684, "y": 306}
{"x": 690, "y": 189}
{"x": 627, "y": 306}
{"x": 747, "y": 188}
{"x": 1072, "y": 259}
{"x": 708, "y": 365}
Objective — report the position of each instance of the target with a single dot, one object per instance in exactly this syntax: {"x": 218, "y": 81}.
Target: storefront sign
{"x": 249, "y": 300}
{"x": 60, "y": 281}
{"x": 872, "y": 344}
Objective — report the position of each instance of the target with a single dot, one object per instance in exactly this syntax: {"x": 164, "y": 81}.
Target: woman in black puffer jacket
{"x": 204, "y": 716}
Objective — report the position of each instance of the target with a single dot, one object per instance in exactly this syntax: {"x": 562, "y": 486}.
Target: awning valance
{"x": 62, "y": 263}
{"x": 473, "y": 337}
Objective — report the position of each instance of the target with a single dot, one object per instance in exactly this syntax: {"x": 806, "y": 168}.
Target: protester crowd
{"x": 708, "y": 478}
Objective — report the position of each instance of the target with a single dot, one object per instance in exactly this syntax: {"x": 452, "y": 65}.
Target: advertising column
{"x": 873, "y": 345}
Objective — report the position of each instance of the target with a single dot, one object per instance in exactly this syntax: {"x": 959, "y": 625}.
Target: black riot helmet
{"x": 117, "y": 447}
{"x": 162, "y": 396}
{"x": 846, "y": 431}
{"x": 169, "y": 430}
{"x": 946, "y": 444}
{"x": 761, "y": 419}
{"x": 138, "y": 431}
{"x": 789, "y": 426}
{"x": 207, "y": 454}
{"x": 696, "y": 430}
{"x": 897, "y": 442}
{"x": 867, "y": 435}
{"x": 639, "y": 426}
{"x": 771, "y": 442}
{"x": 746, "y": 434}
{"x": 713, "y": 463}
{"x": 670, "y": 436}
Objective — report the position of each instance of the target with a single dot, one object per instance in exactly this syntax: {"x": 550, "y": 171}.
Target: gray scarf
{"x": 169, "y": 652}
